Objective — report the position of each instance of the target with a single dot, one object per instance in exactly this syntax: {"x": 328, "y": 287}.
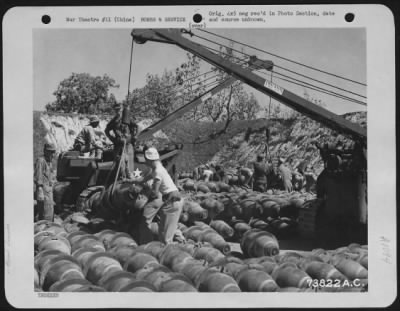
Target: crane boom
{"x": 284, "y": 96}
{"x": 147, "y": 132}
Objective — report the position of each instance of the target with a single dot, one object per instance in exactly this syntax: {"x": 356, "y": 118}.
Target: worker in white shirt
{"x": 207, "y": 173}
{"x": 163, "y": 189}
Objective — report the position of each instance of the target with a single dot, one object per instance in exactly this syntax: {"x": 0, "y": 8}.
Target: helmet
{"x": 50, "y": 147}
{"x": 151, "y": 154}
{"x": 94, "y": 119}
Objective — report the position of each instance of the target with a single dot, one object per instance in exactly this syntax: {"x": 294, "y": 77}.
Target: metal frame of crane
{"x": 315, "y": 112}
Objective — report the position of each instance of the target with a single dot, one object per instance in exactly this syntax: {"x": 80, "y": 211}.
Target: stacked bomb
{"x": 277, "y": 213}
{"x": 240, "y": 209}
{"x": 112, "y": 261}
{"x": 105, "y": 261}
{"x": 206, "y": 187}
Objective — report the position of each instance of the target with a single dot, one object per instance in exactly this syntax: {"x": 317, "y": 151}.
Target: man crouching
{"x": 163, "y": 188}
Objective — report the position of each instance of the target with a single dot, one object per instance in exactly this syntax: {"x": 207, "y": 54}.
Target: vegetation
{"x": 83, "y": 93}
{"x": 162, "y": 94}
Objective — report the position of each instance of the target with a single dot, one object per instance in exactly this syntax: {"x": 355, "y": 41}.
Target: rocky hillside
{"x": 205, "y": 141}
{"x": 291, "y": 139}
{"x": 61, "y": 129}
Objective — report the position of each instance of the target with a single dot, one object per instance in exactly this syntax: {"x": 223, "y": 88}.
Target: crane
{"x": 342, "y": 179}
{"x": 315, "y": 112}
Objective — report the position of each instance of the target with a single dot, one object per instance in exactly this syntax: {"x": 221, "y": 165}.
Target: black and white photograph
{"x": 203, "y": 160}
{"x": 196, "y": 180}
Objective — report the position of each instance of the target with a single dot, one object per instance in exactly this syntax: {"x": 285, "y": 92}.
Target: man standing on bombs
{"x": 261, "y": 171}
{"x": 44, "y": 179}
{"x": 122, "y": 131}
{"x": 286, "y": 175}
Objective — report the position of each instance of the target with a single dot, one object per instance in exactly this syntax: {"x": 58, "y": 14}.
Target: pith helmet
{"x": 151, "y": 154}
{"x": 50, "y": 147}
{"x": 94, "y": 119}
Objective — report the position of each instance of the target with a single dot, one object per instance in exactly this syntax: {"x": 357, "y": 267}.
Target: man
{"x": 310, "y": 178}
{"x": 220, "y": 174}
{"x": 267, "y": 136}
{"x": 164, "y": 190}
{"x": 122, "y": 129}
{"x": 286, "y": 175}
{"x": 261, "y": 171}
{"x": 207, "y": 173}
{"x": 245, "y": 176}
{"x": 213, "y": 170}
{"x": 196, "y": 174}
{"x": 298, "y": 179}
{"x": 86, "y": 140}
{"x": 44, "y": 179}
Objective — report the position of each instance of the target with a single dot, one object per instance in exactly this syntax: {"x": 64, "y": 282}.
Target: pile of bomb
{"x": 233, "y": 210}
{"x": 71, "y": 260}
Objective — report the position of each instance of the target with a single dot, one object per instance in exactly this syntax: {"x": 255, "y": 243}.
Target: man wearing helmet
{"x": 44, "y": 179}
{"x": 207, "y": 173}
{"x": 122, "y": 129}
{"x": 261, "y": 171}
{"x": 86, "y": 140}
{"x": 164, "y": 188}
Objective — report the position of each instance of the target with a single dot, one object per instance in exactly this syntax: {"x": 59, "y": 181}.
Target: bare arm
{"x": 39, "y": 168}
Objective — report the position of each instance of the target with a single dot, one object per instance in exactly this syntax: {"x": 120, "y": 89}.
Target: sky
{"x": 341, "y": 51}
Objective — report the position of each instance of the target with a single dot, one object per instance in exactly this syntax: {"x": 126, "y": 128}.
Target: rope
{"x": 119, "y": 167}
{"x": 283, "y": 68}
{"x": 311, "y": 86}
{"x": 171, "y": 86}
{"x": 319, "y": 81}
{"x": 269, "y": 118}
{"x": 130, "y": 68}
{"x": 270, "y": 100}
{"x": 324, "y": 91}
{"x": 315, "y": 88}
{"x": 123, "y": 149}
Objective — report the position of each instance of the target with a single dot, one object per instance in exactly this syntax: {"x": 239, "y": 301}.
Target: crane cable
{"x": 269, "y": 118}
{"x": 284, "y": 58}
{"x": 122, "y": 157}
{"x": 130, "y": 68}
{"x": 129, "y": 85}
{"x": 283, "y": 68}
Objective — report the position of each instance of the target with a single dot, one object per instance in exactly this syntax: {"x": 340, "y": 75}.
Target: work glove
{"x": 40, "y": 194}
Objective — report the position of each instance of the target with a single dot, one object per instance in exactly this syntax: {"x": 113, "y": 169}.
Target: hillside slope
{"x": 205, "y": 141}
{"x": 291, "y": 139}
